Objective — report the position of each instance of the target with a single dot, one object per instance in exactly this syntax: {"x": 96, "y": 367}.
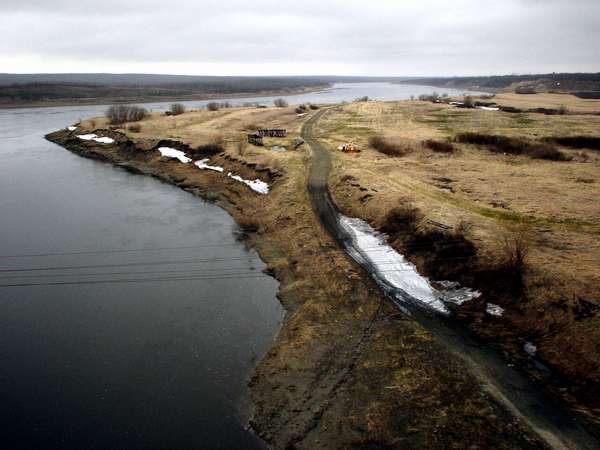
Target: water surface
{"x": 129, "y": 315}
{"x": 139, "y": 349}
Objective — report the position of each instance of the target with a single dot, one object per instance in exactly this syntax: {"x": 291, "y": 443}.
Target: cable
{"x": 150, "y": 263}
{"x": 143, "y": 280}
{"x": 96, "y": 252}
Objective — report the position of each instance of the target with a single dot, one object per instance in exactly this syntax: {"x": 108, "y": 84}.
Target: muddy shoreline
{"x": 345, "y": 371}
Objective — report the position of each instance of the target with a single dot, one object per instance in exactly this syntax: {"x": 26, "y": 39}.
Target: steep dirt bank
{"x": 345, "y": 371}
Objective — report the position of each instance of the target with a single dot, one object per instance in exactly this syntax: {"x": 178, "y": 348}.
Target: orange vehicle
{"x": 349, "y": 148}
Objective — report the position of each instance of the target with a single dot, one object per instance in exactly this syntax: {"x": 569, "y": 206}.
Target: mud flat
{"x": 346, "y": 370}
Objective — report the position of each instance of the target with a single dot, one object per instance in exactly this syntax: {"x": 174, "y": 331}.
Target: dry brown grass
{"x": 549, "y": 101}
{"x": 492, "y": 192}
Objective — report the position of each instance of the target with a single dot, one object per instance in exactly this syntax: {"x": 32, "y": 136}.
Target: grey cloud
{"x": 234, "y": 37}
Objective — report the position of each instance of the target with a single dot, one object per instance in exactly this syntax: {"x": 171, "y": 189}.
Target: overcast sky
{"x": 336, "y": 37}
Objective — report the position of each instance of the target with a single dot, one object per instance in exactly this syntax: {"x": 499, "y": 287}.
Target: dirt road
{"x": 525, "y": 399}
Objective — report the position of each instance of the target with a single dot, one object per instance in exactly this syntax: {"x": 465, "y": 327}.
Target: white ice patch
{"x": 104, "y": 140}
{"x": 94, "y": 137}
{"x": 256, "y": 185}
{"x": 202, "y": 165}
{"x": 494, "y": 310}
{"x": 174, "y": 153}
{"x": 390, "y": 267}
{"x": 398, "y": 276}
{"x": 87, "y": 137}
{"x": 488, "y": 108}
{"x": 530, "y": 349}
{"x": 72, "y": 128}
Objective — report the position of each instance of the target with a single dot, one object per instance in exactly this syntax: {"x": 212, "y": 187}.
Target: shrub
{"x": 177, "y": 109}
{"x": 592, "y": 142}
{"x": 313, "y": 107}
{"x": 514, "y": 146}
{"x": 438, "y": 146}
{"x": 280, "y": 102}
{"x": 117, "y": 114}
{"x": 468, "y": 102}
{"x": 514, "y": 253}
{"x": 389, "y": 148}
{"x": 434, "y": 98}
{"x": 135, "y": 128}
{"x": 362, "y": 99}
{"x": 562, "y": 110}
{"x": 213, "y": 106}
{"x": 300, "y": 110}
{"x": 402, "y": 218}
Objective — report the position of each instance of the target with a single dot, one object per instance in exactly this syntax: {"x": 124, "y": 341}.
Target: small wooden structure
{"x": 276, "y": 132}
{"x": 255, "y": 139}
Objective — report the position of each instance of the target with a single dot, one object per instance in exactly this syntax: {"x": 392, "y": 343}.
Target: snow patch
{"x": 104, "y": 140}
{"x": 256, "y": 185}
{"x": 530, "y": 349}
{"x": 202, "y": 165}
{"x": 94, "y": 137}
{"x": 398, "y": 276}
{"x": 87, "y": 137}
{"x": 72, "y": 128}
{"x": 488, "y": 108}
{"x": 494, "y": 310}
{"x": 174, "y": 153}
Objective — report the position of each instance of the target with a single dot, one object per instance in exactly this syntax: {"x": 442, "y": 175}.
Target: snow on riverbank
{"x": 256, "y": 185}
{"x": 94, "y": 137}
{"x": 494, "y": 310}
{"x": 174, "y": 153}
{"x": 72, "y": 128}
{"x": 393, "y": 270}
{"x": 202, "y": 165}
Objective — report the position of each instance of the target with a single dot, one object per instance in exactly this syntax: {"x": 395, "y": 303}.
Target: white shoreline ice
{"x": 202, "y": 165}
{"x": 392, "y": 268}
{"x": 174, "y": 153}
{"x": 256, "y": 185}
{"x": 530, "y": 349}
{"x": 494, "y": 310}
{"x": 72, "y": 128}
{"x": 94, "y": 137}
{"x": 488, "y": 108}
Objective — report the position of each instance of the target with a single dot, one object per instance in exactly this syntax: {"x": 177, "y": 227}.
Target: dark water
{"x": 119, "y": 364}
{"x": 150, "y": 343}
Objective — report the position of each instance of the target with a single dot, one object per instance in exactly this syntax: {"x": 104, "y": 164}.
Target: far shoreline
{"x": 146, "y": 100}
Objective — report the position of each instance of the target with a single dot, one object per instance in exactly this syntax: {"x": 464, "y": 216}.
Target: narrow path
{"x": 525, "y": 399}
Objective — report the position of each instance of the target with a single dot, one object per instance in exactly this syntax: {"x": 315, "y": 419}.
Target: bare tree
{"x": 280, "y": 102}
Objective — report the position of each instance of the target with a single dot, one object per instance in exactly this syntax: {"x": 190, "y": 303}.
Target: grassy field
{"x": 494, "y": 198}
{"x": 549, "y": 101}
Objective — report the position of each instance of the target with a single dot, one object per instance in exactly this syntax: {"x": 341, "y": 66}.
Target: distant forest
{"x": 81, "y": 87}
{"x": 577, "y": 83}
{"x": 39, "y": 88}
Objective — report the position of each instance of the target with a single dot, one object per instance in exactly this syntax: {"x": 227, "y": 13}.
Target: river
{"x": 130, "y": 316}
